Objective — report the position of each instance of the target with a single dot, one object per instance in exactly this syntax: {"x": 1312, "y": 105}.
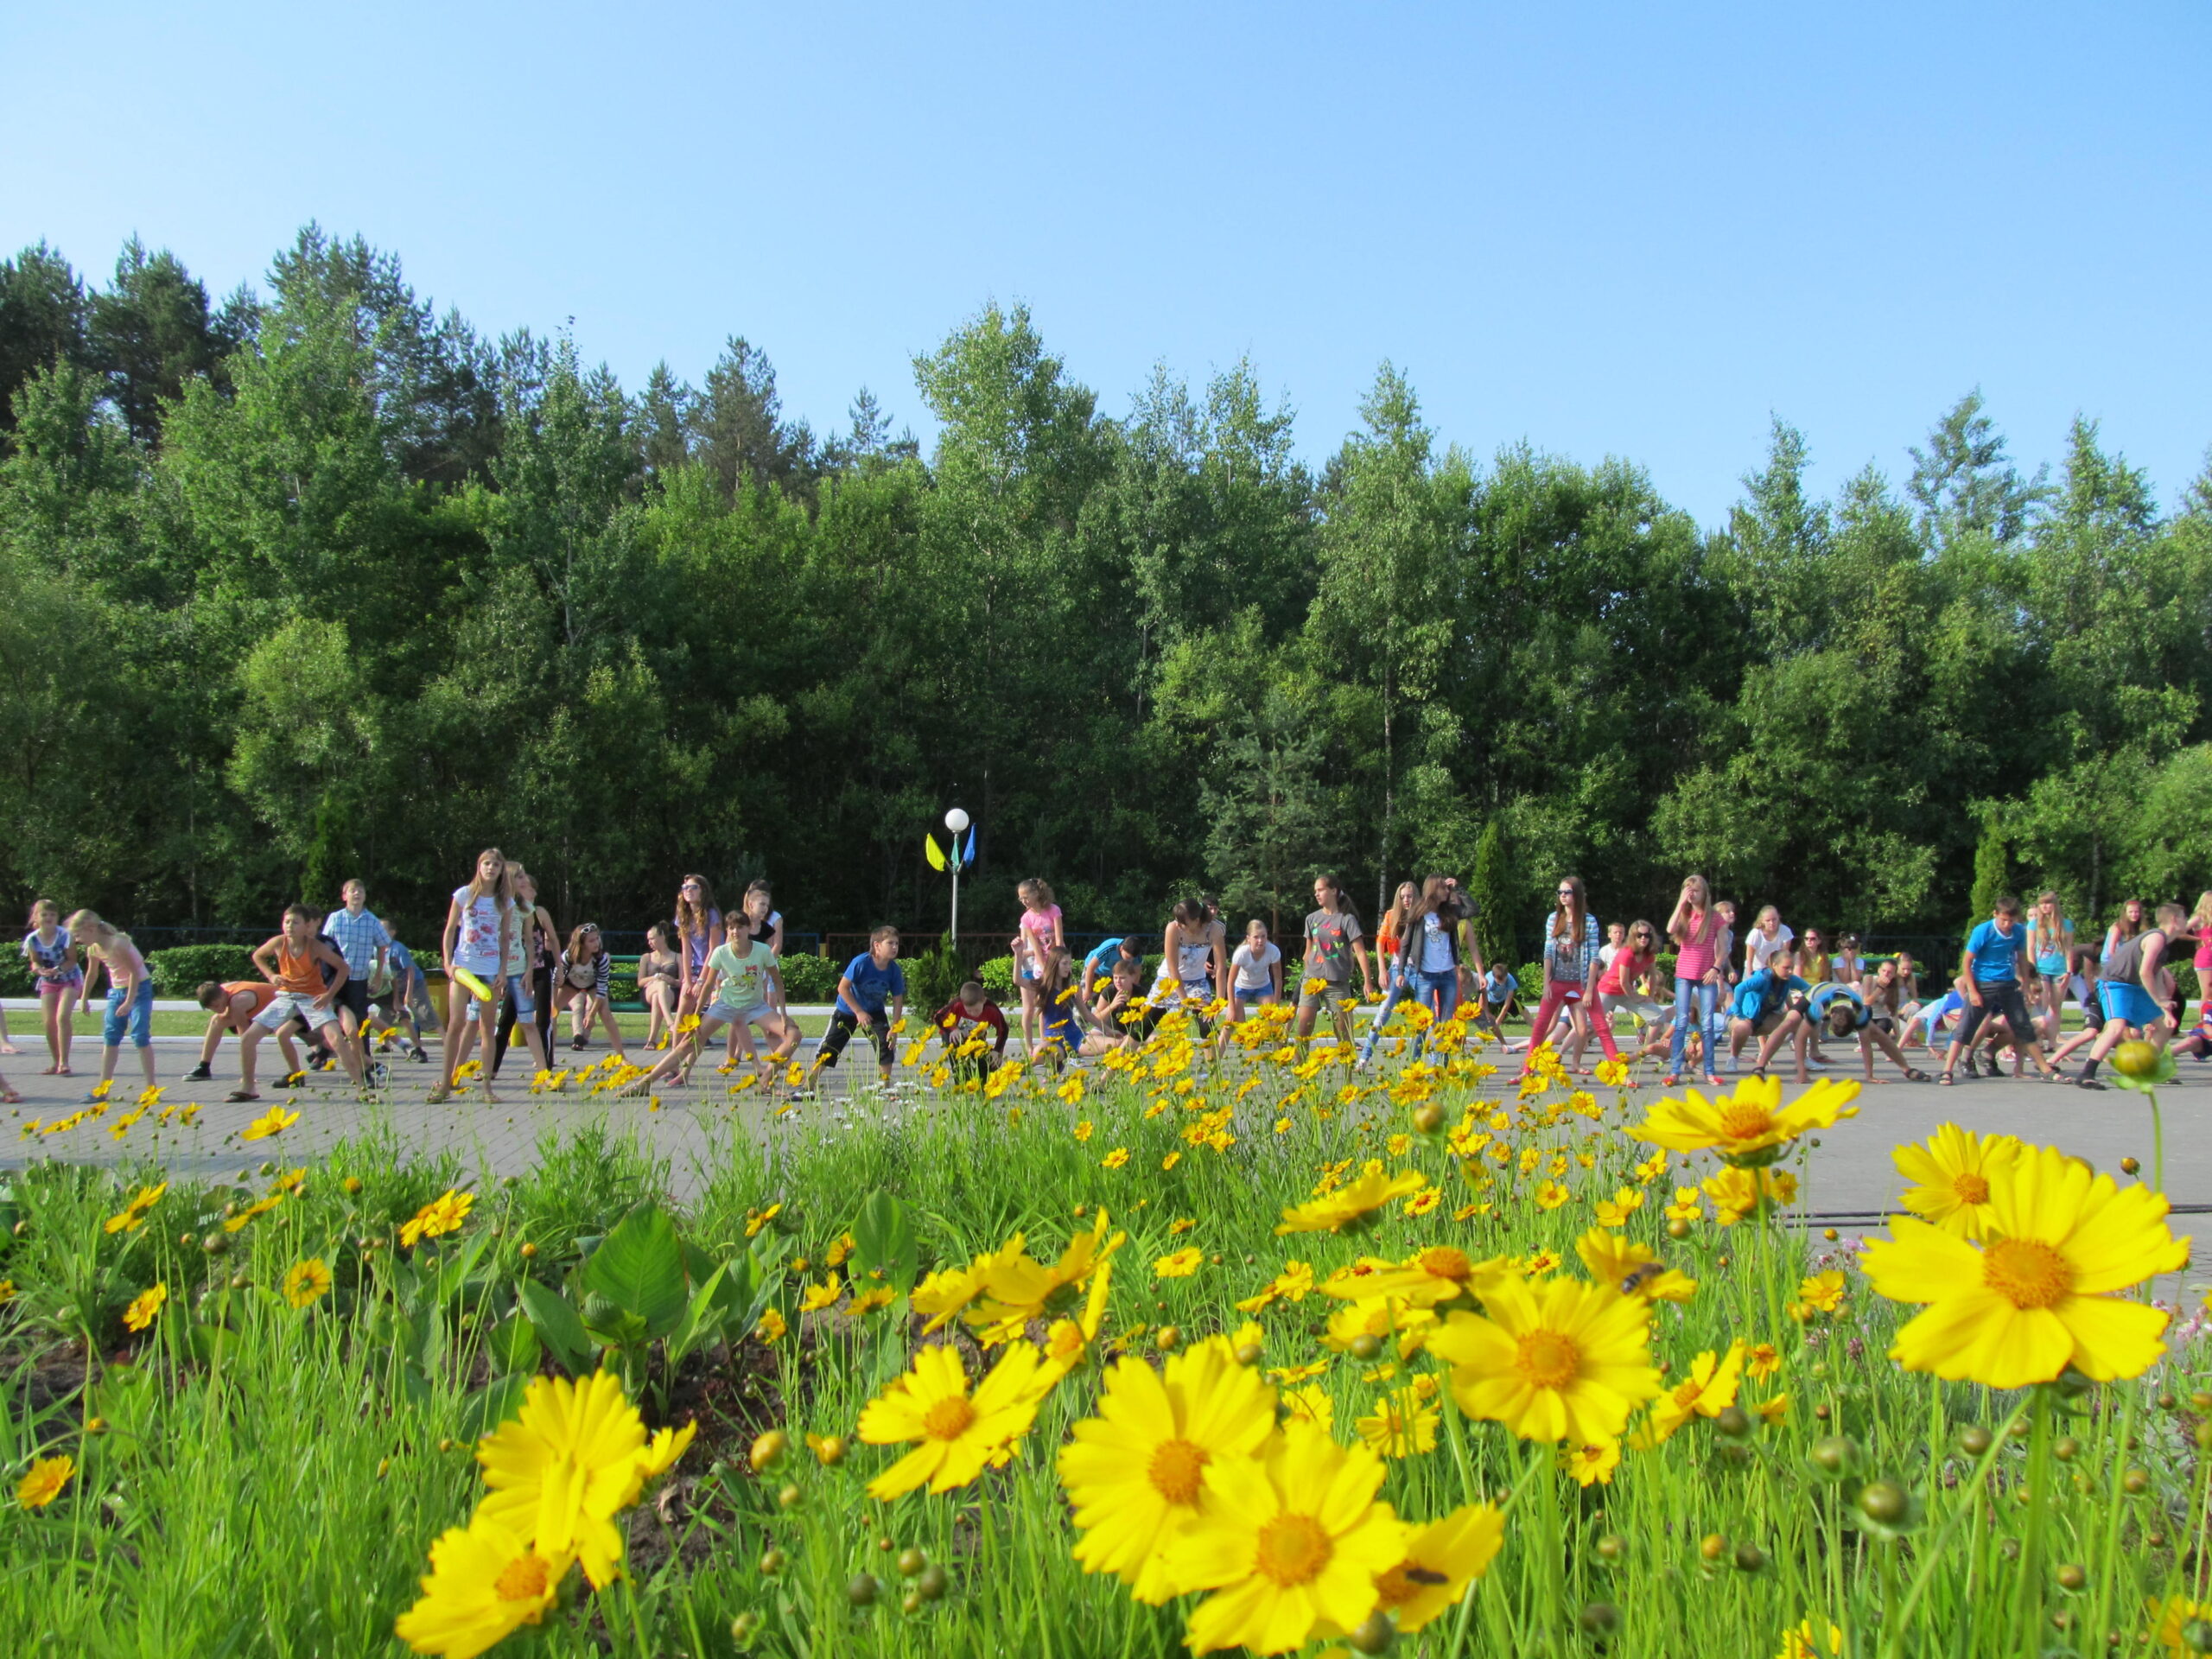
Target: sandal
{"x": 2089, "y": 1082}
{"x": 438, "y": 1095}
{"x": 1671, "y": 1080}
{"x": 1713, "y": 1080}
{"x": 1947, "y": 1080}
{"x": 8, "y": 1097}
{"x": 1914, "y": 1074}
{"x": 241, "y": 1095}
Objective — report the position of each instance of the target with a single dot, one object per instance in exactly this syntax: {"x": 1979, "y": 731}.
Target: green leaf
{"x": 639, "y": 1267}
{"x": 702, "y": 1321}
{"x": 883, "y": 1241}
{"x": 556, "y": 1322}
{"x": 512, "y": 1345}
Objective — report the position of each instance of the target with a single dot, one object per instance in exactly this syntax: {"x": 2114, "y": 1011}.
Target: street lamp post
{"x": 955, "y": 821}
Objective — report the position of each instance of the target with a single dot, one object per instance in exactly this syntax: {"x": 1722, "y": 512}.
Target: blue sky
{"x": 1632, "y": 230}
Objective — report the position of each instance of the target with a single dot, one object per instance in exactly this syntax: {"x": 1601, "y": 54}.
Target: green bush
{"x": 809, "y": 978}
{"x": 180, "y": 969}
{"x": 15, "y": 976}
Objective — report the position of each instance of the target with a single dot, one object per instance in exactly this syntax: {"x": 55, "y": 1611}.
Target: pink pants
{"x": 1557, "y": 996}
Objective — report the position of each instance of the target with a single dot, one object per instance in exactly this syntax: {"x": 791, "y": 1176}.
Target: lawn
{"x": 1256, "y": 1351}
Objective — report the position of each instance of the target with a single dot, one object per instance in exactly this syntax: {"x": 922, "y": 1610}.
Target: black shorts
{"x": 353, "y": 994}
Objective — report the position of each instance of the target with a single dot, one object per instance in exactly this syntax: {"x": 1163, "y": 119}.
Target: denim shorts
{"x": 136, "y": 1016}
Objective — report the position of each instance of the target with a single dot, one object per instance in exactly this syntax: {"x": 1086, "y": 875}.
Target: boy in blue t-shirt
{"x": 1990, "y": 970}
{"x": 870, "y": 980}
{"x": 1769, "y": 1005}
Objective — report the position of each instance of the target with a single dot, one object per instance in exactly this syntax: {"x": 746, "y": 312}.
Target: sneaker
{"x": 296, "y": 1080}
{"x": 419, "y": 1054}
{"x": 379, "y": 1076}
{"x": 201, "y": 1073}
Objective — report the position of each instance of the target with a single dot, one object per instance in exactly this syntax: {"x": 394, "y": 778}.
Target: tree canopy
{"x": 318, "y": 580}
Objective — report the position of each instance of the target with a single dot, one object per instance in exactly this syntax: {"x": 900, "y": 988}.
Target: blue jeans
{"x": 136, "y": 1016}
{"x": 1438, "y": 992}
{"x": 1705, "y": 997}
{"x": 1394, "y": 991}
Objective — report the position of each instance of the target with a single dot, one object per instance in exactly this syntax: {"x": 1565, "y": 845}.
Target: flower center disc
{"x": 1549, "y": 1359}
{"x": 2026, "y": 1272}
{"x": 1175, "y": 1469}
{"x": 1293, "y": 1549}
{"x": 1442, "y": 1262}
{"x": 949, "y": 1418}
{"x": 1970, "y": 1187}
{"x": 1743, "y": 1121}
{"x": 521, "y": 1580}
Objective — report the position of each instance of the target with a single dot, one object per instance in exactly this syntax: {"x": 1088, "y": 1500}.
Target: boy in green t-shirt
{"x": 743, "y": 986}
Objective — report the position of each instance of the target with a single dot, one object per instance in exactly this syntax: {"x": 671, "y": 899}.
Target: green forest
{"x": 314, "y": 580}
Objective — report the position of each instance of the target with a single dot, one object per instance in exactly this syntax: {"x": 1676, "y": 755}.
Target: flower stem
{"x": 1969, "y": 1501}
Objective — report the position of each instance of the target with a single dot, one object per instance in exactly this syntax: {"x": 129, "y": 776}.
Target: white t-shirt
{"x": 1436, "y": 945}
{"x": 1763, "y": 947}
{"x": 476, "y": 943}
{"x": 1605, "y": 955}
{"x": 1252, "y": 973}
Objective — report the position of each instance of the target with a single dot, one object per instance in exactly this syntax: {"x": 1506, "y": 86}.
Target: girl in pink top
{"x": 1695, "y": 929}
{"x": 2199, "y": 923}
{"x": 1040, "y": 934}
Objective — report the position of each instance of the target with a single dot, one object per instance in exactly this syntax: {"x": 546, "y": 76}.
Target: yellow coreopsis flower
{"x": 957, "y": 1433}
{"x": 307, "y": 1282}
{"x": 275, "y": 1121}
{"x": 1708, "y": 1390}
{"x": 1550, "y": 1195}
{"x": 1083, "y": 1130}
{"x": 1615, "y": 1211}
{"x": 1439, "y": 1273}
{"x": 1350, "y": 1207}
{"x": 1440, "y": 1560}
{"x": 43, "y": 1481}
{"x": 1632, "y": 1268}
{"x": 1179, "y": 1265}
{"x": 1117, "y": 1158}
{"x": 772, "y": 1327}
{"x": 754, "y": 1223}
{"x": 2041, "y": 1291}
{"x": 1803, "y": 1643}
{"x": 823, "y": 1295}
{"x": 571, "y": 1459}
{"x": 1750, "y": 1129}
{"x": 1072, "y": 1090}
{"x": 1819, "y": 1293}
{"x": 146, "y": 1306}
{"x": 1015, "y": 1289}
{"x": 443, "y": 1214}
{"x": 1592, "y": 1464}
{"x": 1559, "y": 1360}
{"x": 1951, "y": 1174}
{"x": 1399, "y": 1426}
{"x": 484, "y": 1585}
{"x": 1134, "y": 1472}
{"x": 1291, "y": 1543}
{"x": 866, "y": 1301}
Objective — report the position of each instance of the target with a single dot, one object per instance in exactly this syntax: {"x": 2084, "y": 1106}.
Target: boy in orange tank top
{"x": 307, "y": 970}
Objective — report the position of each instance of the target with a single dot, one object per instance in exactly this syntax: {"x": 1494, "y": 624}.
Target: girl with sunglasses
{"x": 1624, "y": 986}
{"x": 1570, "y": 966}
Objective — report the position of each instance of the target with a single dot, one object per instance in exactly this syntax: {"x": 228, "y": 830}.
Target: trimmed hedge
{"x": 182, "y": 969}
{"x": 811, "y": 978}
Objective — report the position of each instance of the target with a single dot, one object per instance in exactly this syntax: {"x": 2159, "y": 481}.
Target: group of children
{"x": 340, "y": 981}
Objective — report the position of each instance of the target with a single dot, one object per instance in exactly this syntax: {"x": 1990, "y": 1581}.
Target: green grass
{"x": 268, "y": 1480}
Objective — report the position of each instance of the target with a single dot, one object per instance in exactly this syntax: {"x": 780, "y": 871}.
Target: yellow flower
{"x": 2174, "y": 1615}
{"x": 840, "y": 1248}
{"x": 1555, "y": 1361}
{"x": 1707, "y": 1391}
{"x": 1399, "y": 1426}
{"x": 1762, "y": 1359}
{"x": 252, "y": 1212}
{"x": 275, "y": 1121}
{"x": 1083, "y": 1130}
{"x": 1117, "y": 1158}
{"x": 1592, "y": 1463}
{"x": 771, "y": 1328}
{"x": 866, "y": 1301}
{"x": 1379, "y": 1316}
{"x": 1072, "y": 1090}
{"x": 484, "y": 1585}
{"x": 1550, "y": 1195}
{"x": 1310, "y": 1401}
{"x": 1440, "y": 1560}
{"x": 307, "y": 1283}
{"x": 1181, "y": 1265}
{"x": 2042, "y": 1290}
{"x": 823, "y": 1295}
{"x": 753, "y": 1224}
{"x": 1439, "y": 1273}
{"x": 146, "y": 1306}
{"x": 1615, "y": 1211}
{"x": 134, "y": 1213}
{"x": 1801, "y": 1644}
{"x": 1015, "y": 1290}
{"x": 573, "y": 1457}
{"x": 1171, "y": 1160}
{"x": 1632, "y": 1268}
{"x": 957, "y": 1432}
{"x": 1820, "y": 1293}
{"x": 1751, "y": 1127}
{"x": 1134, "y": 1472}
{"x": 1351, "y": 1207}
{"x": 1292, "y": 1543}
{"x": 1423, "y": 1201}
{"x": 43, "y": 1481}
{"x": 1737, "y": 1192}
{"x": 1952, "y": 1174}
{"x": 443, "y": 1214}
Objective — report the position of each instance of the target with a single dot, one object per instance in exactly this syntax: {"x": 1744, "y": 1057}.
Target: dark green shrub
{"x": 180, "y": 969}
{"x": 810, "y": 979}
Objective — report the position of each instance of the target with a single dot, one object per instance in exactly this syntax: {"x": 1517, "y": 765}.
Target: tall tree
{"x": 42, "y": 322}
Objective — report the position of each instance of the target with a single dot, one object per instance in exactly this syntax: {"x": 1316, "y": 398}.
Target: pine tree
{"x": 1991, "y": 876}
{"x": 1489, "y": 885}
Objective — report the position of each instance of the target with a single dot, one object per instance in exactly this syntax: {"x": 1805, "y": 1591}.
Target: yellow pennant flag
{"x": 936, "y": 858}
